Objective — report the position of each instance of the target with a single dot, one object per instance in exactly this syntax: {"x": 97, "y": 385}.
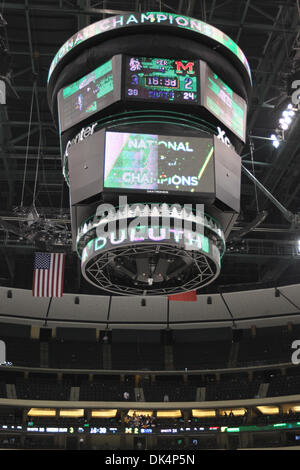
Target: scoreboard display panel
{"x": 156, "y": 80}
{"x": 166, "y": 80}
{"x": 219, "y": 99}
{"x": 158, "y": 163}
{"x": 89, "y": 95}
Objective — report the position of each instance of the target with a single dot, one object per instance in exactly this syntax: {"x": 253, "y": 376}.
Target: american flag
{"x": 48, "y": 275}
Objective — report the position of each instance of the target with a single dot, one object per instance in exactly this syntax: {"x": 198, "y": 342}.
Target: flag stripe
{"x": 190, "y": 296}
{"x": 56, "y": 274}
{"x": 48, "y": 275}
{"x": 62, "y": 275}
{"x": 34, "y": 289}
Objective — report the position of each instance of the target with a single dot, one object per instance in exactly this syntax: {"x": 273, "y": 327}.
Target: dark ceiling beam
{"x": 5, "y": 135}
{"x": 45, "y": 124}
{"x": 31, "y": 156}
{"x": 19, "y": 73}
{"x": 262, "y": 12}
{"x": 211, "y": 11}
{"x": 249, "y": 162}
{"x": 274, "y": 270}
{"x": 283, "y": 157}
{"x": 26, "y": 88}
{"x": 23, "y": 136}
{"x": 33, "y": 64}
{"x": 264, "y": 28}
{"x": 215, "y": 7}
{"x": 10, "y": 262}
{"x": 263, "y": 57}
{"x": 35, "y": 148}
{"x": 244, "y": 14}
{"x": 275, "y": 3}
{"x": 53, "y": 176}
{"x": 26, "y": 53}
{"x": 82, "y": 19}
{"x": 58, "y": 10}
{"x": 269, "y": 80}
{"x": 291, "y": 197}
{"x": 180, "y": 5}
{"x": 259, "y": 257}
{"x": 162, "y": 7}
{"x": 10, "y": 227}
{"x": 35, "y": 72}
{"x": 286, "y": 213}
{"x": 190, "y": 7}
{"x": 137, "y": 6}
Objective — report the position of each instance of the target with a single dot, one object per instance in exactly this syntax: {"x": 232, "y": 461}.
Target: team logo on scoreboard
{"x": 189, "y": 67}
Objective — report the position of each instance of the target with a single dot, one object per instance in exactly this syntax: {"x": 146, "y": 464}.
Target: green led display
{"x": 152, "y": 162}
{"x": 225, "y": 104}
{"x": 153, "y": 18}
{"x": 156, "y": 79}
{"x": 233, "y": 430}
{"x": 86, "y": 96}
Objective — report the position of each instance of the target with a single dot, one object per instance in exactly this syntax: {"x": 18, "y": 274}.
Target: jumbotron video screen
{"x": 224, "y": 103}
{"x": 88, "y": 95}
{"x": 158, "y": 163}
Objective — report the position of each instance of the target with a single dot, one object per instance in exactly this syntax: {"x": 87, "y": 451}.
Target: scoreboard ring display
{"x": 121, "y": 34}
{"x": 149, "y": 21}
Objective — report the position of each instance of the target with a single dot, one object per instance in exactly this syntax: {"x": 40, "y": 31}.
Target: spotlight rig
{"x": 150, "y": 147}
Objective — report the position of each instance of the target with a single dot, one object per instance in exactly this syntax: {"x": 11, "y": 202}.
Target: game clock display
{"x": 168, "y": 80}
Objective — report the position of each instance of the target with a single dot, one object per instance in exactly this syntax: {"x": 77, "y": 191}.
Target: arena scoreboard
{"x": 156, "y": 79}
{"x": 152, "y": 80}
{"x": 138, "y": 116}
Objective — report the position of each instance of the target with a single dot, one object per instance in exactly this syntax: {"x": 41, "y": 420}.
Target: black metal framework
{"x": 194, "y": 270}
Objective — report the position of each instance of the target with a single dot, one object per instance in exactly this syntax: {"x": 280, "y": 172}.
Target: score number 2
{"x": 188, "y": 82}
{"x": 188, "y": 85}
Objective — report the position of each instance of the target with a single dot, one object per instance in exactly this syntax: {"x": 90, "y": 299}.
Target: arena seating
{"x": 146, "y": 350}
{"x": 137, "y": 356}
{"x": 231, "y": 387}
{"x": 285, "y": 384}
{"x": 106, "y": 388}
{"x": 137, "y": 349}
{"x": 270, "y": 345}
{"x": 173, "y": 389}
{"x": 75, "y": 355}
{"x": 2, "y": 390}
{"x": 22, "y": 351}
{"x": 201, "y": 349}
{"x": 42, "y": 389}
{"x": 208, "y": 355}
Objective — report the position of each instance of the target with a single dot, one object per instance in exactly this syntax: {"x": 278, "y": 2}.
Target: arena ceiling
{"x": 34, "y": 202}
